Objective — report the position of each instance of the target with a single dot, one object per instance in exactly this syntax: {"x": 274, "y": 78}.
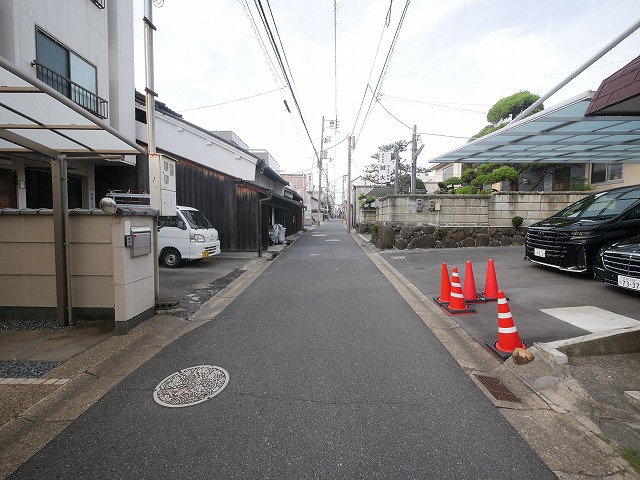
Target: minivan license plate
{"x": 205, "y": 253}
{"x": 539, "y": 252}
{"x": 629, "y": 282}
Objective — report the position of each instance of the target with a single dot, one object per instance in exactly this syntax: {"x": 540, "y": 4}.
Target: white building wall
{"x": 179, "y": 138}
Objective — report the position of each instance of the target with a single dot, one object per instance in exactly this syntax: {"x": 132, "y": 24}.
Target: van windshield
{"x": 196, "y": 219}
{"x": 603, "y": 205}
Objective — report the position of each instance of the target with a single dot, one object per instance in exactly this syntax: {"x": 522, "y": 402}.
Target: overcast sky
{"x": 452, "y": 61}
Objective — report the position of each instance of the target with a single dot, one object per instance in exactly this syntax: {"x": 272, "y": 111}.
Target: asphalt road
{"x": 332, "y": 375}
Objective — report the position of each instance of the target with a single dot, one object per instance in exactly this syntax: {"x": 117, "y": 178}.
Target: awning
{"x": 560, "y": 134}
{"x": 36, "y": 118}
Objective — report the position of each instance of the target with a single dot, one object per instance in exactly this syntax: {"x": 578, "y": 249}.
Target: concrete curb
{"x": 621, "y": 340}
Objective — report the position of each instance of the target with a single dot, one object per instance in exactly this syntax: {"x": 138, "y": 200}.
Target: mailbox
{"x": 140, "y": 241}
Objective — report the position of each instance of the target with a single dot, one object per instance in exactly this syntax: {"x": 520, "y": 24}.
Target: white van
{"x": 187, "y": 236}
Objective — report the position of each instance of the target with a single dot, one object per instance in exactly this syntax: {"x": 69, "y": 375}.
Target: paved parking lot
{"x": 176, "y": 283}
{"x": 538, "y": 296}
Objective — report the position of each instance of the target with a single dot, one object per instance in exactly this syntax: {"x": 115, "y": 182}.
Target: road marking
{"x": 592, "y": 319}
{"x": 332, "y": 240}
{"x": 319, "y": 235}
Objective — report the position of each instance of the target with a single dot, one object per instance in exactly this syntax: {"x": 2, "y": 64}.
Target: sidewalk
{"x": 94, "y": 360}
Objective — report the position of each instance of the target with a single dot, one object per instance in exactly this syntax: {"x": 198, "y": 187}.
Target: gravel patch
{"x": 25, "y": 368}
{"x": 29, "y": 324}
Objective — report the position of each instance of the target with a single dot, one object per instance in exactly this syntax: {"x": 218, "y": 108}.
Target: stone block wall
{"x": 449, "y": 210}
{"x": 531, "y": 206}
{"x": 496, "y": 210}
{"x": 430, "y": 236}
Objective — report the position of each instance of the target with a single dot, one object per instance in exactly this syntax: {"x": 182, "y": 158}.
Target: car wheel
{"x": 171, "y": 258}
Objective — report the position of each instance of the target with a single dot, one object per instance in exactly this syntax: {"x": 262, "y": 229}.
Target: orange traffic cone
{"x": 470, "y": 294}
{"x": 445, "y": 287}
{"x": 457, "y": 304}
{"x": 508, "y": 338}
{"x": 491, "y": 283}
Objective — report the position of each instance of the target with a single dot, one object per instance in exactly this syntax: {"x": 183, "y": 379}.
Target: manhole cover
{"x": 191, "y": 386}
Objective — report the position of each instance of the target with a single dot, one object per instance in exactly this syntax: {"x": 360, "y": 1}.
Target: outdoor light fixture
{"x": 108, "y": 205}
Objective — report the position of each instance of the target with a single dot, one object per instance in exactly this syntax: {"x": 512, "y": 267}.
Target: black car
{"x": 570, "y": 239}
{"x": 619, "y": 264}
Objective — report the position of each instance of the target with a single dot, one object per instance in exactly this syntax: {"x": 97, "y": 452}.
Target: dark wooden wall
{"x": 232, "y": 208}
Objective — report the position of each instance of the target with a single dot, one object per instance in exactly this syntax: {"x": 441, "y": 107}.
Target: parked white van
{"x": 187, "y": 236}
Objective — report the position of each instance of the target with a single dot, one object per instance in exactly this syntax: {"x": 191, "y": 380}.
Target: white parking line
{"x": 592, "y": 319}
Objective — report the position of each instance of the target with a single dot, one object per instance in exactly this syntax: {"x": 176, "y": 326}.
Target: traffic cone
{"x": 445, "y": 287}
{"x": 457, "y": 305}
{"x": 508, "y": 338}
{"x": 470, "y": 293}
{"x": 491, "y": 283}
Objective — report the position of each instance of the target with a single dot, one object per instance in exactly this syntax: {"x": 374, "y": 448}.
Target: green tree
{"x": 371, "y": 170}
{"x": 475, "y": 177}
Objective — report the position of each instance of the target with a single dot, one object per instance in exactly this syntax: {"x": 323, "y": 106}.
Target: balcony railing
{"x": 99, "y": 3}
{"x": 83, "y": 97}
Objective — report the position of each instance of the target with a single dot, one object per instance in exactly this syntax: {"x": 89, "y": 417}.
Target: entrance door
{"x": 562, "y": 179}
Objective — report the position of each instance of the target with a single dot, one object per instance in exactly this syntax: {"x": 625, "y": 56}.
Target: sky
{"x": 451, "y": 61}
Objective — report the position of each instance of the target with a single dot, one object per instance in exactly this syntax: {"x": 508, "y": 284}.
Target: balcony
{"x": 79, "y": 95}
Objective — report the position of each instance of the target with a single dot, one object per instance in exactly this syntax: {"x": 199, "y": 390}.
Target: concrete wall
{"x": 494, "y": 210}
{"x": 106, "y": 282}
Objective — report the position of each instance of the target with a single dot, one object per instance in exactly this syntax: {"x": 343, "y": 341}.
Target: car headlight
{"x": 196, "y": 237}
{"x": 583, "y": 234}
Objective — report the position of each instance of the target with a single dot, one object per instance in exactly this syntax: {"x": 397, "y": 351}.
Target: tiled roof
{"x": 619, "y": 94}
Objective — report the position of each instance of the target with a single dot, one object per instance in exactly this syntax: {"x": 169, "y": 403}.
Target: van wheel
{"x": 171, "y": 258}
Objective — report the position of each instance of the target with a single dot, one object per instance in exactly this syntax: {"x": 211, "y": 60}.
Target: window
{"x": 447, "y": 172}
{"x": 605, "y": 172}
{"x": 68, "y": 73}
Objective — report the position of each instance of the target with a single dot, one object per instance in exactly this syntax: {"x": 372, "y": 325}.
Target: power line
{"x": 274, "y": 46}
{"x": 400, "y": 121}
{"x": 385, "y": 66}
{"x": 230, "y": 101}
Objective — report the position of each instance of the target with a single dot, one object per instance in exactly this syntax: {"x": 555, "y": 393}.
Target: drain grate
{"x": 191, "y": 386}
{"x": 498, "y": 389}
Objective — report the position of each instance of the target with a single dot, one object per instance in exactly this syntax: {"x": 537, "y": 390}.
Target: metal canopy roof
{"x": 36, "y": 118}
{"x": 560, "y": 134}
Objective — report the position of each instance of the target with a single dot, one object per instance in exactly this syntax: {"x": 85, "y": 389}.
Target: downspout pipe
{"x": 260, "y": 202}
{"x": 580, "y": 69}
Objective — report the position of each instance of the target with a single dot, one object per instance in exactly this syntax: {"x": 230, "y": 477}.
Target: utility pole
{"x": 320, "y": 172}
{"x": 414, "y": 157}
{"x": 344, "y": 177}
{"x": 395, "y": 185}
{"x": 351, "y": 143}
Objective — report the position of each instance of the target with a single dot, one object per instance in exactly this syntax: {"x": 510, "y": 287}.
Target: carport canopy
{"x": 559, "y": 134}
{"x": 36, "y": 118}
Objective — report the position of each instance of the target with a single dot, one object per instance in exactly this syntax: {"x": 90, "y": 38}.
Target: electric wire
{"x": 384, "y": 67}
{"x": 274, "y": 46}
{"x": 230, "y": 101}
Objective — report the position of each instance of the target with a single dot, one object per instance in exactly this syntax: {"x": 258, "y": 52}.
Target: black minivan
{"x": 570, "y": 239}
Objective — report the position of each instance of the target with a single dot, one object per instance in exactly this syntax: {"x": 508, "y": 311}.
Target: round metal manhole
{"x": 191, "y": 386}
